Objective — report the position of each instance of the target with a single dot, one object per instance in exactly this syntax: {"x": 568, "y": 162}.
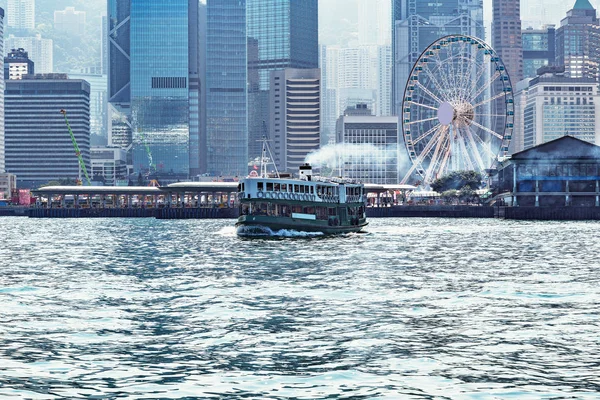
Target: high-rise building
{"x": 2, "y": 86}
{"x": 98, "y": 107}
{"x": 384, "y": 80}
{"x": 153, "y": 83}
{"x": 578, "y": 41}
{"x": 556, "y": 105}
{"x": 295, "y": 109}
{"x": 40, "y": 51}
{"x": 417, "y": 24}
{"x": 21, "y": 14}
{"x": 226, "y": 91}
{"x": 373, "y": 157}
{"x": 38, "y": 145}
{"x": 281, "y": 34}
{"x": 17, "y": 64}
{"x": 538, "y": 49}
{"x": 104, "y": 46}
{"x": 506, "y": 36}
{"x": 70, "y": 21}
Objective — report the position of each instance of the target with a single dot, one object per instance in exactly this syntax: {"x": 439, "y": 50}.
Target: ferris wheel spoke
{"x": 433, "y": 96}
{"x": 420, "y": 121}
{"x": 475, "y": 149}
{"x": 423, "y": 105}
{"x": 496, "y": 134}
{"x": 441, "y": 89}
{"x": 486, "y": 86}
{"x": 448, "y": 85}
{"x": 423, "y": 136}
{"x": 444, "y": 164}
{"x": 484, "y": 145}
{"x": 482, "y": 71}
{"x": 435, "y": 158}
{"x": 419, "y": 160}
{"x": 489, "y": 100}
{"x": 463, "y": 149}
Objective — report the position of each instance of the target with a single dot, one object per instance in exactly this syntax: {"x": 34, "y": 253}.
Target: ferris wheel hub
{"x": 445, "y": 113}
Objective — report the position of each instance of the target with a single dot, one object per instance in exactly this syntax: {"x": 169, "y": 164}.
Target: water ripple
{"x": 414, "y": 308}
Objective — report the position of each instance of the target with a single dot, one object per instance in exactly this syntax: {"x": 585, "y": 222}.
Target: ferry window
{"x": 284, "y": 187}
{"x": 285, "y": 210}
{"x": 243, "y": 185}
{"x": 276, "y": 187}
{"x": 332, "y": 211}
{"x": 269, "y": 186}
{"x": 312, "y": 190}
{"x": 309, "y": 210}
{"x": 296, "y": 188}
{"x": 301, "y": 188}
{"x": 321, "y": 213}
{"x": 297, "y": 209}
{"x": 259, "y": 185}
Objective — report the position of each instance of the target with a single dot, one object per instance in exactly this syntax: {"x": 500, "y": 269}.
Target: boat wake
{"x": 266, "y": 232}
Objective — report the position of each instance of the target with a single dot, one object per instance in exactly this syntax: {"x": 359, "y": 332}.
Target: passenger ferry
{"x": 306, "y": 204}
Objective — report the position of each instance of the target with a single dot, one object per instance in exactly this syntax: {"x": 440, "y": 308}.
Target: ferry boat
{"x": 305, "y": 204}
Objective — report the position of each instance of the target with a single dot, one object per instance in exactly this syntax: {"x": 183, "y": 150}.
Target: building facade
{"x": 281, "y": 34}
{"x": 38, "y": 145}
{"x": 70, "y": 21}
{"x": 417, "y": 24}
{"x": 539, "y": 49}
{"x": 578, "y": 41}
{"x": 372, "y": 142}
{"x": 17, "y": 64}
{"x": 226, "y": 91}
{"x": 295, "y": 109}
{"x": 98, "y": 107}
{"x": 506, "y": 36}
{"x": 21, "y": 14}
{"x": 2, "y": 87}
{"x": 556, "y": 105}
{"x": 559, "y": 173}
{"x": 40, "y": 51}
{"x": 154, "y": 83}
{"x": 108, "y": 165}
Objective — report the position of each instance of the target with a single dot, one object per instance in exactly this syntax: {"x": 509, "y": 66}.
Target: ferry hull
{"x": 245, "y": 225}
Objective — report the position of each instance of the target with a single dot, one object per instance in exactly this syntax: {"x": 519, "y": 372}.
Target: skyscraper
{"x": 506, "y": 36}
{"x": 226, "y": 94}
{"x": 281, "y": 34}
{"x": 578, "y": 41}
{"x": 38, "y": 146}
{"x": 539, "y": 49}
{"x": 21, "y": 14}
{"x": 2, "y": 92}
{"x": 416, "y": 24}
{"x": 153, "y": 83}
{"x": 295, "y": 109}
{"x": 17, "y": 64}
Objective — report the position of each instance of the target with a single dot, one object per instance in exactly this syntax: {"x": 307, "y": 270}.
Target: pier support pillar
{"x": 76, "y": 201}
{"x": 537, "y": 193}
{"x": 567, "y": 197}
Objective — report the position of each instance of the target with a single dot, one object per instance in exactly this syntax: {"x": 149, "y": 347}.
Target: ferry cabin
{"x": 337, "y": 202}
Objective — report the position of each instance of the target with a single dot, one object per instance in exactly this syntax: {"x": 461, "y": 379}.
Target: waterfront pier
{"x": 176, "y": 201}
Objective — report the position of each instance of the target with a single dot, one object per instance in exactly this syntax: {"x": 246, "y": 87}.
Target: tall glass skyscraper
{"x": 281, "y": 34}
{"x": 156, "y": 91}
{"x": 226, "y": 93}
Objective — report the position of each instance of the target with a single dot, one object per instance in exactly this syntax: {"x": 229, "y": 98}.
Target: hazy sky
{"x": 339, "y": 18}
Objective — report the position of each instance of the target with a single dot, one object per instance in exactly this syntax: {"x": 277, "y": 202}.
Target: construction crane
{"x": 77, "y": 151}
{"x": 151, "y": 165}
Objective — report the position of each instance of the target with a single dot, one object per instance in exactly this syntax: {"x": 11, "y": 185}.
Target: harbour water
{"x": 414, "y": 308}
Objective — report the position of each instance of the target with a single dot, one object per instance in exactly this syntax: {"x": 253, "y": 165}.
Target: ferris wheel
{"x": 458, "y": 108}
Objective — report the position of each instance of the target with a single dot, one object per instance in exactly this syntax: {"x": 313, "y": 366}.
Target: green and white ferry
{"x": 272, "y": 202}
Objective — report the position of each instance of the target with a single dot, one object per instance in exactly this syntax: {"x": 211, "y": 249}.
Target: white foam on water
{"x": 263, "y": 231}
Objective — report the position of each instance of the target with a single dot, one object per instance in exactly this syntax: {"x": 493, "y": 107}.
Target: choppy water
{"x": 415, "y": 308}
